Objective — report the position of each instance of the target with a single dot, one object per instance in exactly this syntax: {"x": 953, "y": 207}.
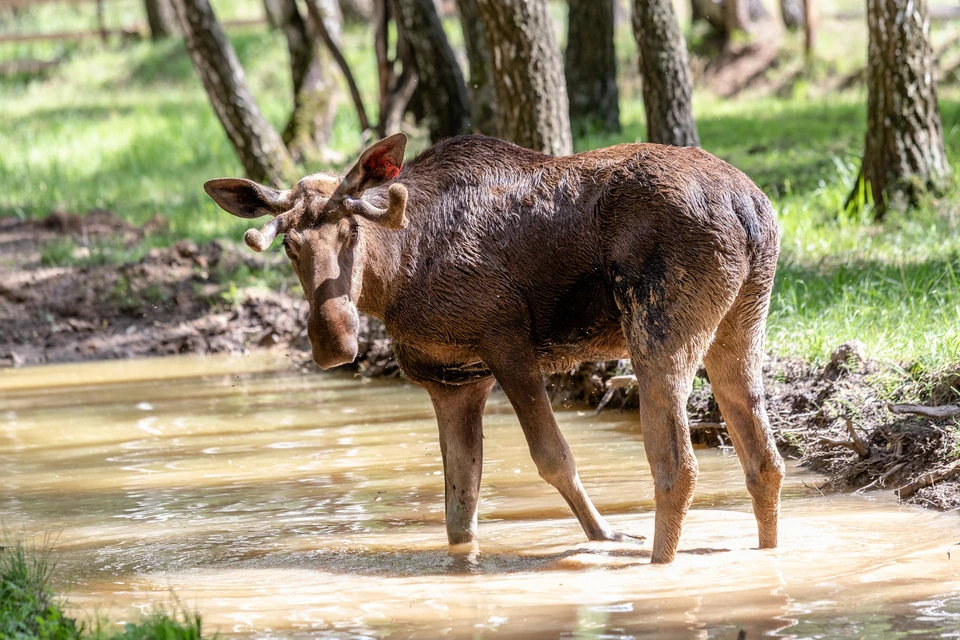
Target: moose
{"x": 490, "y": 263}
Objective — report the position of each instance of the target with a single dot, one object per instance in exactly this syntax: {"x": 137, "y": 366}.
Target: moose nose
{"x": 333, "y": 336}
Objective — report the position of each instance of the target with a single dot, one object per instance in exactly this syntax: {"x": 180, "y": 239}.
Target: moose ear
{"x": 245, "y": 198}
{"x": 376, "y": 165}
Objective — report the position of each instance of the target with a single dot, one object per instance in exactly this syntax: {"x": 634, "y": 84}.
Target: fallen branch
{"x": 927, "y": 480}
{"x": 694, "y": 426}
{"x": 858, "y": 444}
{"x": 890, "y": 472}
{"x": 620, "y": 382}
{"x": 937, "y": 413}
{"x": 845, "y": 444}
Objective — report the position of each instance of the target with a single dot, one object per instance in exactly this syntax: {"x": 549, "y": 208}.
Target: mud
{"x": 173, "y": 300}
{"x": 185, "y": 298}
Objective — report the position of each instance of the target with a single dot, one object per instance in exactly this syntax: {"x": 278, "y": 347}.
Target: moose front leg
{"x": 459, "y": 412}
{"x": 522, "y": 382}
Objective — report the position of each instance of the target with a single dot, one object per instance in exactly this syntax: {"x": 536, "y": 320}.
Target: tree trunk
{"x": 792, "y": 12}
{"x": 483, "y": 102}
{"x": 440, "y": 81}
{"x": 717, "y": 14}
{"x": 666, "y": 74}
{"x": 158, "y": 18}
{"x": 314, "y": 92}
{"x": 532, "y": 107}
{"x": 356, "y": 11}
{"x": 810, "y": 20}
{"x": 904, "y": 154}
{"x": 590, "y": 66}
{"x": 257, "y": 144}
{"x": 736, "y": 15}
{"x": 273, "y": 10}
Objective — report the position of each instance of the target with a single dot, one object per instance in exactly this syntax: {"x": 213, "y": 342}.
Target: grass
{"x": 31, "y": 610}
{"x": 127, "y": 127}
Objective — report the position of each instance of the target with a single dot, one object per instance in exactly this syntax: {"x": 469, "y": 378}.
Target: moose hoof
{"x": 614, "y": 536}
{"x": 626, "y": 537}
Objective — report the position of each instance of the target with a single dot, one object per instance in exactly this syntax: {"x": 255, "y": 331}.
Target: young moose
{"x": 488, "y": 262}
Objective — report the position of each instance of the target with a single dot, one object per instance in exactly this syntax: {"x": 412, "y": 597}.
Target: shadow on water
{"x": 407, "y": 563}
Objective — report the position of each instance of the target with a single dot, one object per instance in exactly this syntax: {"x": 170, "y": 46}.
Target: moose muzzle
{"x": 332, "y": 329}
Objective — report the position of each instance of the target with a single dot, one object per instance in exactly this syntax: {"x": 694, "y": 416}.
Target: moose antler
{"x": 393, "y": 217}
{"x": 261, "y": 240}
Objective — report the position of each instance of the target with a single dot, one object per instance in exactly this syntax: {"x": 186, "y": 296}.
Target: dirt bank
{"x": 82, "y": 288}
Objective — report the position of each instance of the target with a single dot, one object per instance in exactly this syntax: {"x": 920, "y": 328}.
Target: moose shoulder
{"x": 487, "y": 262}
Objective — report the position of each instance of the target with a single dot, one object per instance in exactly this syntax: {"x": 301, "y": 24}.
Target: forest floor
{"x": 110, "y": 249}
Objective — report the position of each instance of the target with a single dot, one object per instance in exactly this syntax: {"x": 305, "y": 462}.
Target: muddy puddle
{"x": 283, "y": 504}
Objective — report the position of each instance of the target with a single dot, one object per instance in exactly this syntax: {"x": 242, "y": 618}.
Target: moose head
{"x": 322, "y": 220}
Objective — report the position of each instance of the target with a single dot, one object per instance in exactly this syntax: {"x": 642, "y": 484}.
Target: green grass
{"x": 28, "y": 607}
{"x": 127, "y": 127}
{"x": 31, "y": 610}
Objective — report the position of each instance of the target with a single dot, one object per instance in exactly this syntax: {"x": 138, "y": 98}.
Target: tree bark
{"x": 158, "y": 19}
{"x": 716, "y": 13}
{"x": 532, "y": 105}
{"x": 447, "y": 108}
{"x": 590, "y": 66}
{"x": 356, "y": 11}
{"x": 810, "y": 20}
{"x": 483, "y": 101}
{"x": 736, "y": 15}
{"x": 904, "y": 154}
{"x": 792, "y": 12}
{"x": 260, "y": 149}
{"x": 314, "y": 92}
{"x": 666, "y": 74}
{"x": 273, "y": 10}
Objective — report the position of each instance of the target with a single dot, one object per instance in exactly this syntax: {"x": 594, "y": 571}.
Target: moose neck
{"x": 380, "y": 268}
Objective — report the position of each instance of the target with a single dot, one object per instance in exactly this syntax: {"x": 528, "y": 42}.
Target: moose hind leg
{"x": 734, "y": 366}
{"x": 665, "y": 364}
{"x": 663, "y": 390}
{"x": 459, "y": 412}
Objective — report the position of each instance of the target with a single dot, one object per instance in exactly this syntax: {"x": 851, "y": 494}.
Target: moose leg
{"x": 734, "y": 366}
{"x": 664, "y": 386}
{"x": 522, "y": 382}
{"x": 459, "y": 412}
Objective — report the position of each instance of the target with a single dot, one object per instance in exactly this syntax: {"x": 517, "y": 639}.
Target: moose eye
{"x": 354, "y": 234}
{"x": 287, "y": 247}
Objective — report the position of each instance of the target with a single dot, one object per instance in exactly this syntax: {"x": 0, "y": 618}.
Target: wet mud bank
{"x": 78, "y": 288}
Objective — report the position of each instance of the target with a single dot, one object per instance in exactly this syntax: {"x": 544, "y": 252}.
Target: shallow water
{"x": 281, "y": 504}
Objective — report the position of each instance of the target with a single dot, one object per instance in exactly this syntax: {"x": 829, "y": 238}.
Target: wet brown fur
{"x": 515, "y": 264}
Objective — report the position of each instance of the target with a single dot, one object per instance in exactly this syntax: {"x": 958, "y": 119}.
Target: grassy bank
{"x": 30, "y": 609}
{"x": 127, "y": 128}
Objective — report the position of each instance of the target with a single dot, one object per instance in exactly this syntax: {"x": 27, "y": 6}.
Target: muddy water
{"x": 283, "y": 504}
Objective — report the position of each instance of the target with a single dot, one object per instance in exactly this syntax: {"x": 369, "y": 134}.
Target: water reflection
{"x": 283, "y": 504}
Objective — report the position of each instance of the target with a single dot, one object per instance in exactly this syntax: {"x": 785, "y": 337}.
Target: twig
{"x": 703, "y": 424}
{"x": 943, "y": 411}
{"x": 892, "y": 470}
{"x": 604, "y": 400}
{"x": 321, "y": 28}
{"x": 846, "y": 444}
{"x": 619, "y": 382}
{"x": 858, "y": 444}
{"x": 928, "y": 479}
